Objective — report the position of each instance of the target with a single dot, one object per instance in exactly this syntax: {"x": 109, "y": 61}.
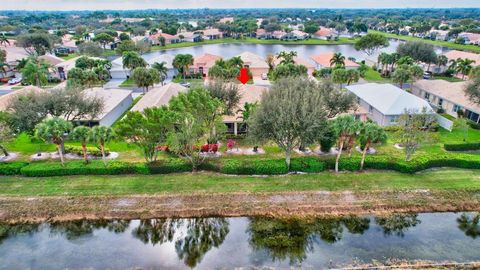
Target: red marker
{"x": 243, "y": 78}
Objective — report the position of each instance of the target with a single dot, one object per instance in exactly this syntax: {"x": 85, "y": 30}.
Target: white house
{"x": 116, "y": 102}
{"x": 158, "y": 96}
{"x": 386, "y": 102}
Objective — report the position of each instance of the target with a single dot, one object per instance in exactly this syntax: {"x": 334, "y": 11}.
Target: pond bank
{"x": 236, "y": 204}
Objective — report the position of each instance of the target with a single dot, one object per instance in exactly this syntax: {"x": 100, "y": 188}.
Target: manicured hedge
{"x": 95, "y": 167}
{"x": 462, "y": 147}
{"x": 94, "y": 151}
{"x": 272, "y": 166}
{"x": 11, "y": 168}
{"x": 168, "y": 166}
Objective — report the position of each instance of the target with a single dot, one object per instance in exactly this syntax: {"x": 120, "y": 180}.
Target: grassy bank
{"x": 448, "y": 44}
{"x": 445, "y": 179}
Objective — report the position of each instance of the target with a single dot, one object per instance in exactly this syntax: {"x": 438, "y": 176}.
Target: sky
{"x": 175, "y": 4}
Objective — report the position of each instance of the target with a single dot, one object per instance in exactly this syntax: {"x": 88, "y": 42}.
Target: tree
{"x": 370, "y": 133}
{"x": 132, "y": 60}
{"x": 162, "y": 70}
{"x": 338, "y": 60}
{"x": 352, "y": 76}
{"x": 371, "y": 42}
{"x": 162, "y": 41}
{"x": 82, "y": 134}
{"x": 35, "y": 72}
{"x": 145, "y": 77}
{"x": 90, "y": 49}
{"x": 143, "y": 46}
{"x": 54, "y": 130}
{"x": 6, "y": 133}
{"x": 126, "y": 46}
{"x": 36, "y": 43}
{"x": 182, "y": 62}
{"x": 442, "y": 60}
{"x": 4, "y": 40}
{"x": 419, "y": 51}
{"x": 345, "y": 128}
{"x": 289, "y": 70}
{"x": 124, "y": 36}
{"x": 414, "y": 126}
{"x": 101, "y": 135}
{"x": 405, "y": 60}
{"x": 416, "y": 73}
{"x": 287, "y": 57}
{"x": 401, "y": 76}
{"x": 291, "y": 114}
{"x": 148, "y": 129}
{"x": 228, "y": 93}
{"x": 464, "y": 66}
{"x": 270, "y": 60}
{"x": 472, "y": 90}
{"x": 311, "y": 27}
{"x": 235, "y": 62}
{"x": 104, "y": 39}
{"x": 339, "y": 76}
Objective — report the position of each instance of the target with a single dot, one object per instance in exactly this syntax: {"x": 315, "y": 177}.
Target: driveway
{"x": 113, "y": 83}
{"x": 260, "y": 82}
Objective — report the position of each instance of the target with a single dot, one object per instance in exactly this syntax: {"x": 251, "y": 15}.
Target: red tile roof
{"x": 323, "y": 59}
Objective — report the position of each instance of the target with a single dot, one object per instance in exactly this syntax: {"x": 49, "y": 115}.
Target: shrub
{"x": 263, "y": 166}
{"x": 11, "y": 168}
{"x": 474, "y": 125}
{"x": 94, "y": 151}
{"x": 307, "y": 164}
{"x": 95, "y": 167}
{"x": 169, "y": 166}
{"x": 462, "y": 147}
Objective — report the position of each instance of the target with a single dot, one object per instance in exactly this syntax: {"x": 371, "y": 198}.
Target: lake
{"x": 214, "y": 243}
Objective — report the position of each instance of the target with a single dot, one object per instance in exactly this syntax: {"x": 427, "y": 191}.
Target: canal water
{"x": 226, "y": 243}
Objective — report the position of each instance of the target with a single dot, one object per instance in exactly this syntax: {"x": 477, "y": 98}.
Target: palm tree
{"x": 4, "y": 40}
{"x": 21, "y": 63}
{"x": 405, "y": 60}
{"x": 345, "y": 127}
{"x": 82, "y": 134}
{"x": 35, "y": 72}
{"x": 54, "y": 130}
{"x": 287, "y": 57}
{"x": 162, "y": 69}
{"x": 416, "y": 73}
{"x": 270, "y": 60}
{"x": 401, "y": 76}
{"x": 352, "y": 76}
{"x": 101, "y": 135}
{"x": 132, "y": 60}
{"x": 442, "y": 60}
{"x": 464, "y": 66}
{"x": 182, "y": 62}
{"x": 236, "y": 62}
{"x": 247, "y": 111}
{"x": 370, "y": 133}
{"x": 453, "y": 65}
{"x": 382, "y": 59}
{"x": 338, "y": 60}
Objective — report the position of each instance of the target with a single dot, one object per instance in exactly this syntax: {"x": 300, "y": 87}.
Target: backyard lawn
{"x": 372, "y": 75}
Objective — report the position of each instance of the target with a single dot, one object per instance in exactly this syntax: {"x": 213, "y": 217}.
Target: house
{"x": 323, "y": 61}
{"x": 300, "y": 61}
{"x": 226, "y": 20}
{"x": 9, "y": 97}
{"x": 255, "y": 63}
{"x": 299, "y": 35}
{"x": 454, "y": 55}
{"x": 324, "y": 33}
{"x": 279, "y": 34}
{"x": 116, "y": 102}
{"x": 158, "y": 96}
{"x": 448, "y": 96}
{"x": 211, "y": 33}
{"x": 202, "y": 63}
{"x": 168, "y": 60}
{"x": 441, "y": 35}
{"x": 263, "y": 34}
{"x": 154, "y": 39}
{"x": 189, "y": 36}
{"x": 470, "y": 38}
{"x": 386, "y": 102}
{"x": 248, "y": 93}
{"x": 51, "y": 59}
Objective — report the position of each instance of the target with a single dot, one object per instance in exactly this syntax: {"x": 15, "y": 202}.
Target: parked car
{"x": 264, "y": 76}
{"x": 185, "y": 84}
{"x": 14, "y": 81}
{"x": 427, "y": 75}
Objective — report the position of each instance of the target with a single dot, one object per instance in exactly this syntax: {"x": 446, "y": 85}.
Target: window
{"x": 427, "y": 96}
{"x": 456, "y": 108}
{"x": 393, "y": 119}
{"x": 440, "y": 102}
{"x": 370, "y": 109}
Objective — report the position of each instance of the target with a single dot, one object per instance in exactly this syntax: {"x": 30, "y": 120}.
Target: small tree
{"x": 228, "y": 93}
{"x": 416, "y": 73}
{"x": 162, "y": 70}
{"x": 370, "y": 133}
{"x": 101, "y": 135}
{"x": 6, "y": 133}
{"x": 182, "y": 63}
{"x": 104, "y": 39}
{"x": 339, "y": 75}
{"x": 162, "y": 41}
{"x": 132, "y": 60}
{"x": 82, "y": 134}
{"x": 352, "y": 76}
{"x": 345, "y": 128}
{"x": 54, "y": 130}
{"x": 463, "y": 126}
{"x": 472, "y": 90}
{"x": 145, "y": 78}
{"x": 414, "y": 126}
{"x": 337, "y": 61}
{"x": 371, "y": 42}
{"x": 35, "y": 72}
{"x": 401, "y": 76}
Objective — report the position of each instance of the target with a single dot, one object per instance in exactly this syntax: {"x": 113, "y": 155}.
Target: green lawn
{"x": 446, "y": 179}
{"x": 127, "y": 83}
{"x": 448, "y": 79}
{"x": 70, "y": 56}
{"x": 372, "y": 75}
{"x": 461, "y": 47}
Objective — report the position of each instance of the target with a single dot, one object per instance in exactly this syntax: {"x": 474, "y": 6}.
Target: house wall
{"x": 114, "y": 114}
{"x": 257, "y": 72}
{"x": 376, "y": 115}
{"x": 447, "y": 105}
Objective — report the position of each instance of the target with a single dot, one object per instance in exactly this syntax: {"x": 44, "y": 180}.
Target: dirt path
{"x": 19, "y": 209}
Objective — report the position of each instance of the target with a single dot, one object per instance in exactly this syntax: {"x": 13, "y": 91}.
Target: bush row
{"x": 77, "y": 167}
{"x": 11, "y": 168}
{"x": 462, "y": 147}
{"x": 94, "y": 151}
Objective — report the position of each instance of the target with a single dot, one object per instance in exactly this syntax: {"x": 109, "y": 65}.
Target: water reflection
{"x": 193, "y": 238}
{"x": 397, "y": 224}
{"x": 9, "y": 230}
{"x": 469, "y": 224}
{"x": 73, "y": 230}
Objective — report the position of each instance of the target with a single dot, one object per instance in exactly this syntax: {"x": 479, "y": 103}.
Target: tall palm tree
{"x": 162, "y": 69}
{"x": 132, "y": 60}
{"x": 287, "y": 57}
{"x": 54, "y": 130}
{"x": 370, "y": 133}
{"x": 382, "y": 60}
{"x": 270, "y": 60}
{"x": 35, "y": 72}
{"x": 236, "y": 62}
{"x": 82, "y": 134}
{"x": 338, "y": 60}
{"x": 101, "y": 135}
{"x": 453, "y": 65}
{"x": 4, "y": 40}
{"x": 442, "y": 60}
{"x": 345, "y": 127}
{"x": 182, "y": 62}
{"x": 464, "y": 66}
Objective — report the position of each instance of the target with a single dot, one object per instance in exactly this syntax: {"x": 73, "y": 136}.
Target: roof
{"x": 7, "y": 98}
{"x": 51, "y": 59}
{"x": 69, "y": 64}
{"x": 207, "y": 60}
{"x": 249, "y": 93}
{"x": 210, "y": 32}
{"x": 388, "y": 99}
{"x": 158, "y": 96}
{"x": 451, "y": 91}
{"x": 299, "y": 33}
{"x": 454, "y": 54}
{"x": 323, "y": 59}
{"x": 261, "y": 31}
{"x": 226, "y": 19}
{"x": 111, "y": 98}
{"x": 323, "y": 32}
{"x": 253, "y": 60}
{"x": 299, "y": 61}
{"x": 167, "y": 58}
{"x": 165, "y": 35}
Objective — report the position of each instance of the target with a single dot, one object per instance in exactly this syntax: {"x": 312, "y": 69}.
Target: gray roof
{"x": 158, "y": 96}
{"x": 111, "y": 98}
{"x": 388, "y": 99}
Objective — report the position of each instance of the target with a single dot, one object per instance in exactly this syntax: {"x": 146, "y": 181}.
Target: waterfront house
{"x": 154, "y": 39}
{"x": 448, "y": 96}
{"x": 211, "y": 33}
{"x": 202, "y": 63}
{"x": 255, "y": 63}
{"x": 324, "y": 33}
{"x": 323, "y": 61}
{"x": 386, "y": 102}
{"x": 300, "y": 61}
{"x": 189, "y": 36}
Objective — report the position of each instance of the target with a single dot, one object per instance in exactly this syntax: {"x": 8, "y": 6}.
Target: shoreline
{"x": 238, "y": 204}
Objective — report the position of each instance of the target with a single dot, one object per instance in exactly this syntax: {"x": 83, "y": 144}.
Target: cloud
{"x": 178, "y": 4}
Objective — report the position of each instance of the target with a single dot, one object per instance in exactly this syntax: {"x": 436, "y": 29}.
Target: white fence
{"x": 444, "y": 122}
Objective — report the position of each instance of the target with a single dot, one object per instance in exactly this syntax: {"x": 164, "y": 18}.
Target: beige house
{"x": 255, "y": 63}
{"x": 158, "y": 96}
{"x": 202, "y": 63}
{"x": 249, "y": 93}
{"x": 448, "y": 96}
{"x": 323, "y": 61}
